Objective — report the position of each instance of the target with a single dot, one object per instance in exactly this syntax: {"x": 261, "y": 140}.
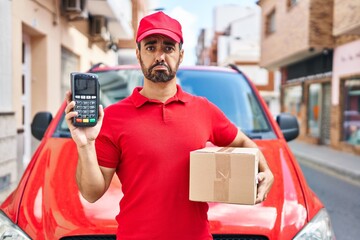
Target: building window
{"x": 292, "y": 100}
{"x": 351, "y": 113}
{"x": 313, "y": 110}
{"x": 270, "y": 23}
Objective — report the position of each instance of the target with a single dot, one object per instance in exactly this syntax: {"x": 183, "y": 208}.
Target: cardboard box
{"x": 224, "y": 174}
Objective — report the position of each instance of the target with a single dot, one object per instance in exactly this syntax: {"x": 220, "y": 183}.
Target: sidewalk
{"x": 346, "y": 164}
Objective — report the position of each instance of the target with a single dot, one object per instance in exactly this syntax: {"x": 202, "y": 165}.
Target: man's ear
{"x": 138, "y": 54}
{"x": 181, "y": 55}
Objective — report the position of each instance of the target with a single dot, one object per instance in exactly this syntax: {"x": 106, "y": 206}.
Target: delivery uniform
{"x": 149, "y": 144}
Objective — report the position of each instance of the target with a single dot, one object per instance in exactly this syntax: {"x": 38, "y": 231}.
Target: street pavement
{"x": 342, "y": 163}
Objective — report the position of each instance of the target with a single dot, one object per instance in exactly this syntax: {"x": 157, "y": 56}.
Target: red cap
{"x": 159, "y": 23}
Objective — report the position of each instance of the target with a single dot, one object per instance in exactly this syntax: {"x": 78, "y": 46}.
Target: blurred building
{"x": 316, "y": 47}
{"x": 41, "y": 42}
{"x": 236, "y": 40}
{"x": 8, "y": 164}
{"x": 204, "y": 56}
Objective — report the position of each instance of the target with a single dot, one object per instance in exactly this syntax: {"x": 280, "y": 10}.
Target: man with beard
{"x": 146, "y": 140}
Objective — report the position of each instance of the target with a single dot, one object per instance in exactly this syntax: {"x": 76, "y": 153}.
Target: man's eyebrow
{"x": 150, "y": 42}
{"x": 169, "y": 43}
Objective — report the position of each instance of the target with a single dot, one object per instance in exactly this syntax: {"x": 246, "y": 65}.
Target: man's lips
{"x": 160, "y": 67}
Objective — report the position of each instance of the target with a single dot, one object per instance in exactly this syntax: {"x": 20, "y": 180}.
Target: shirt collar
{"x": 139, "y": 100}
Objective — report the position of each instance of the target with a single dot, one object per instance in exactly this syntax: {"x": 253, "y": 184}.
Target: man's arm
{"x": 265, "y": 176}
{"x": 92, "y": 180}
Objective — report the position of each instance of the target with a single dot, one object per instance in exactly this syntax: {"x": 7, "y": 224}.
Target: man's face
{"x": 159, "y": 57}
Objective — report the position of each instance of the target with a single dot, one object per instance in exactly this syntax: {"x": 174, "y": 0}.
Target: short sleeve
{"x": 108, "y": 153}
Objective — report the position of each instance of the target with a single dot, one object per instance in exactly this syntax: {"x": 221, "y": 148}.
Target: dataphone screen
{"x": 85, "y": 87}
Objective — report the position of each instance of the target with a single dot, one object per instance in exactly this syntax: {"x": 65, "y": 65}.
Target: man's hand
{"x": 265, "y": 181}
{"x": 265, "y": 177}
{"x": 81, "y": 135}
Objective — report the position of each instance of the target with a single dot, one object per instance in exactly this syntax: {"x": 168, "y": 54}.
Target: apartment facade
{"x": 315, "y": 46}
{"x": 8, "y": 164}
{"x": 236, "y": 40}
{"x": 41, "y": 43}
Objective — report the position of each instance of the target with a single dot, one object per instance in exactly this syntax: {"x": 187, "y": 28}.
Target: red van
{"x": 47, "y": 204}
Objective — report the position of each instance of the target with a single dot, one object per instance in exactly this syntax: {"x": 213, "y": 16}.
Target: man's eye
{"x": 169, "y": 49}
{"x": 150, "y": 48}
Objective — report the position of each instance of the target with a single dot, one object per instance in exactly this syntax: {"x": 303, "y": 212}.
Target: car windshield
{"x": 228, "y": 90}
{"x": 233, "y": 95}
{"x": 117, "y": 85}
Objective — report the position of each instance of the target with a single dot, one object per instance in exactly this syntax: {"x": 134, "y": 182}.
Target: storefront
{"x": 318, "y": 110}
{"x": 346, "y": 97}
{"x": 350, "y": 103}
{"x": 306, "y": 94}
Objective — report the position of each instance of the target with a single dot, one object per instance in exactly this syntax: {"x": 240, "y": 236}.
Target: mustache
{"x": 159, "y": 64}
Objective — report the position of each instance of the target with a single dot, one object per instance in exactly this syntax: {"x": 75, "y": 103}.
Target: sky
{"x": 193, "y": 16}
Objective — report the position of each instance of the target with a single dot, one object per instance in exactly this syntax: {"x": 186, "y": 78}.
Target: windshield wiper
{"x": 254, "y": 136}
{"x": 260, "y": 134}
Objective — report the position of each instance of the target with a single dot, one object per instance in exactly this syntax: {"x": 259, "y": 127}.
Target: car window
{"x": 228, "y": 90}
{"x": 233, "y": 95}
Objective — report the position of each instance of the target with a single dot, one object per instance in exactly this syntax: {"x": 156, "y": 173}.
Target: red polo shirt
{"x": 148, "y": 142}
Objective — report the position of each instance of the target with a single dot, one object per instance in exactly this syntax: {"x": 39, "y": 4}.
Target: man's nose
{"x": 160, "y": 56}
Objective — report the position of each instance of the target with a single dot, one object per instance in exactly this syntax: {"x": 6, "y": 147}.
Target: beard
{"x": 159, "y": 76}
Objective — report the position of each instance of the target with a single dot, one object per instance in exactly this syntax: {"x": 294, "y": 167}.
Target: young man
{"x": 146, "y": 140}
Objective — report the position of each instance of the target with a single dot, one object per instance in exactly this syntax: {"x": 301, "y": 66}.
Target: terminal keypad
{"x": 86, "y": 108}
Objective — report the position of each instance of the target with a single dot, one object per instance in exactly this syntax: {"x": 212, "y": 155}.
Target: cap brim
{"x": 164, "y": 32}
